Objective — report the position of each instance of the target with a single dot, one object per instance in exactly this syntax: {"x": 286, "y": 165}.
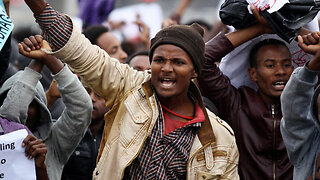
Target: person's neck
{"x": 95, "y": 127}
{"x": 268, "y": 99}
{"x": 183, "y": 106}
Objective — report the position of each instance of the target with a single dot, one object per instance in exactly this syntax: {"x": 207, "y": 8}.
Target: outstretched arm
{"x": 93, "y": 65}
{"x": 56, "y": 27}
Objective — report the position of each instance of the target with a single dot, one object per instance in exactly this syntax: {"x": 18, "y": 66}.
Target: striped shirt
{"x": 56, "y": 27}
{"x": 164, "y": 156}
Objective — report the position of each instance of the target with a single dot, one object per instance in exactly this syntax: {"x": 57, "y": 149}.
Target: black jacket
{"x": 83, "y": 160}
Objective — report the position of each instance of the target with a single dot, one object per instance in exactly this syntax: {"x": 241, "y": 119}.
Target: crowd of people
{"x": 96, "y": 108}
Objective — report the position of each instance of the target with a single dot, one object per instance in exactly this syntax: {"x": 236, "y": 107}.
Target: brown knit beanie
{"x": 188, "y": 38}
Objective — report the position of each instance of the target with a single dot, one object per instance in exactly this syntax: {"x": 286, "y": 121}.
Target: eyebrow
{"x": 178, "y": 59}
{"x": 269, "y": 60}
{"x": 273, "y": 60}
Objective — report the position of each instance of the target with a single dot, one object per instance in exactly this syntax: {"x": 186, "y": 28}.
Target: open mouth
{"x": 167, "y": 83}
{"x": 279, "y": 84}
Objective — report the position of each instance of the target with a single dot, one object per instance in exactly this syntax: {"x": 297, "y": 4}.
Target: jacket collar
{"x": 205, "y": 134}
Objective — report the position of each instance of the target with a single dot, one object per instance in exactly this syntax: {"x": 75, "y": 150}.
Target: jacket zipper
{"x": 274, "y": 141}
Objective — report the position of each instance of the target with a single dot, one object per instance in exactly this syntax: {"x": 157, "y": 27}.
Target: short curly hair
{"x": 253, "y": 55}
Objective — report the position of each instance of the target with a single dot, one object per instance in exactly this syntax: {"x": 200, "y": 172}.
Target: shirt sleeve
{"x": 56, "y": 27}
{"x": 214, "y": 84}
{"x": 299, "y": 126}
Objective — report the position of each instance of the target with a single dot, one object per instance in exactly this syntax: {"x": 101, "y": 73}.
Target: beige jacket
{"x": 134, "y": 111}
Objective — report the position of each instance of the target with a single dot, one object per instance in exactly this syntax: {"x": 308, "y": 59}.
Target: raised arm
{"x": 69, "y": 129}
{"x": 241, "y": 36}
{"x": 176, "y": 16}
{"x": 95, "y": 67}
{"x": 21, "y": 93}
{"x": 23, "y": 88}
{"x": 213, "y": 84}
{"x": 300, "y": 122}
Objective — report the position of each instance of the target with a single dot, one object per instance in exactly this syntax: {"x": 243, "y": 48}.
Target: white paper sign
{"x": 273, "y": 5}
{"x": 6, "y": 25}
{"x": 150, "y": 14}
{"x": 14, "y": 165}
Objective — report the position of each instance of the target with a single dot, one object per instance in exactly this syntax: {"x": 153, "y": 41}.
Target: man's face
{"x": 99, "y": 106}
{"x": 110, "y": 43}
{"x": 140, "y": 63}
{"x": 33, "y": 116}
{"x": 171, "y": 71}
{"x": 273, "y": 70}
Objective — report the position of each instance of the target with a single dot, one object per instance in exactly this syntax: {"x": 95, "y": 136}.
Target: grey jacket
{"x": 62, "y": 137}
{"x": 300, "y": 125}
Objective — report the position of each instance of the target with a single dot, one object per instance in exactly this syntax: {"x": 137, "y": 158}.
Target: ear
{"x": 253, "y": 74}
{"x": 195, "y": 75}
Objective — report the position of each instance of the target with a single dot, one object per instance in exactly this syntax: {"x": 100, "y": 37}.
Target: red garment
{"x": 164, "y": 156}
{"x": 171, "y": 125}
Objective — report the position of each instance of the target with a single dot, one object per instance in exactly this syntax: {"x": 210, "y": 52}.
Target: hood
{"x": 45, "y": 121}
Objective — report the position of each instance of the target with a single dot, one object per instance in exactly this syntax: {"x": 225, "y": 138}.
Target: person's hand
{"x": 309, "y": 43}
{"x": 176, "y": 18}
{"x": 52, "y": 93}
{"x": 31, "y": 47}
{"x": 32, "y": 43}
{"x": 168, "y": 22}
{"x": 35, "y": 148}
{"x": 116, "y": 24}
{"x": 53, "y": 90}
{"x": 263, "y": 23}
{"x": 311, "y": 38}
{"x": 144, "y": 32}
